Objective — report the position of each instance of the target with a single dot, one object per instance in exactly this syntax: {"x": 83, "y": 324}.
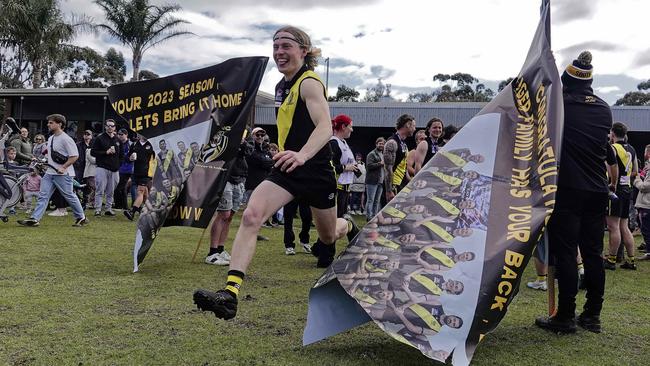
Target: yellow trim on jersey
{"x": 386, "y": 243}
{"x": 621, "y": 153}
{"x": 168, "y": 160}
{"x": 447, "y": 206}
{"x": 188, "y": 159}
{"x": 442, "y": 233}
{"x": 457, "y": 160}
{"x": 370, "y": 268}
{"x": 288, "y": 107}
{"x": 440, "y": 256}
{"x": 428, "y": 284}
{"x": 153, "y": 164}
{"x": 400, "y": 171}
{"x": 394, "y": 212}
{"x": 361, "y": 296}
{"x": 453, "y": 181}
{"x": 429, "y": 319}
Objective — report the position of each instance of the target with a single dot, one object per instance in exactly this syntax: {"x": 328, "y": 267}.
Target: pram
{"x": 11, "y": 185}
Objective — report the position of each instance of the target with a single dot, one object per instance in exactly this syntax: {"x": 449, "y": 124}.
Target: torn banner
{"x": 437, "y": 268}
{"x": 195, "y": 122}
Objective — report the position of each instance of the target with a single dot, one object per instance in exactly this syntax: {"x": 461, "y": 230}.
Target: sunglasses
{"x": 260, "y": 134}
{"x": 112, "y": 126}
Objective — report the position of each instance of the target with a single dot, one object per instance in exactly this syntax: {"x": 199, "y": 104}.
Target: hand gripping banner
{"x": 195, "y": 122}
{"x": 437, "y": 268}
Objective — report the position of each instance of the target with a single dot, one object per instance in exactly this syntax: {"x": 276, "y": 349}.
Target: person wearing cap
{"x": 259, "y": 161}
{"x": 125, "y": 171}
{"x": 80, "y": 164}
{"x": 302, "y": 169}
{"x": 581, "y": 200}
{"x": 106, "y": 150}
{"x": 343, "y": 160}
{"x": 59, "y": 175}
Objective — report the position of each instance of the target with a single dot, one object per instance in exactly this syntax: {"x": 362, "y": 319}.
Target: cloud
{"x": 642, "y": 59}
{"x": 569, "y": 10}
{"x": 379, "y": 71}
{"x": 568, "y": 54}
{"x": 359, "y": 35}
{"x": 607, "y": 89}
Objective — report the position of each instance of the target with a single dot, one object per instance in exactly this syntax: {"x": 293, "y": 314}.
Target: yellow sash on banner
{"x": 168, "y": 159}
{"x": 442, "y": 233}
{"x": 394, "y": 212}
{"x": 188, "y": 159}
{"x": 440, "y": 257}
{"x": 453, "y": 181}
{"x": 386, "y": 243}
{"x": 447, "y": 206}
{"x": 429, "y": 319}
{"x": 359, "y": 295}
{"x": 457, "y": 160}
{"x": 370, "y": 268}
{"x": 428, "y": 284}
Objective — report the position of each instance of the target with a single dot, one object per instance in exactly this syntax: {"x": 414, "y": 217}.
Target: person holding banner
{"x": 302, "y": 168}
{"x": 581, "y": 200}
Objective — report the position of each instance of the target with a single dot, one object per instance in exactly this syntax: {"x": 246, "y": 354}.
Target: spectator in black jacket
{"x": 80, "y": 164}
{"x": 144, "y": 163}
{"x": 231, "y": 201}
{"x": 106, "y": 149}
{"x": 259, "y": 162}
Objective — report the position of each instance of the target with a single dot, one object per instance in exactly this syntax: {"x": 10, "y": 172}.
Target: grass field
{"x": 68, "y": 297}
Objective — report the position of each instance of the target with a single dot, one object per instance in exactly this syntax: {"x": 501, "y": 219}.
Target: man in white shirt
{"x": 60, "y": 173}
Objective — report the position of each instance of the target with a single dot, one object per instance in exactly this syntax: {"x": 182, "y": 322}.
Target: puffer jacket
{"x": 643, "y": 198}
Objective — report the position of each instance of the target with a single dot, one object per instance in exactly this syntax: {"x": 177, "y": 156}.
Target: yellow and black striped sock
{"x": 581, "y": 266}
{"x": 630, "y": 259}
{"x": 611, "y": 258}
{"x": 235, "y": 279}
{"x": 541, "y": 278}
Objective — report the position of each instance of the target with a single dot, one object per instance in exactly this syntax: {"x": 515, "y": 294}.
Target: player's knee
{"x": 252, "y": 217}
{"x": 328, "y": 237}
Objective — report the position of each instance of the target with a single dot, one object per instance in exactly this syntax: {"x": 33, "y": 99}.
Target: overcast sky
{"x": 405, "y": 42}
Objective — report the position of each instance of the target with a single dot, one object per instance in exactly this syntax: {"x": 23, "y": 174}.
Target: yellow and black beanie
{"x": 580, "y": 71}
{"x": 581, "y": 67}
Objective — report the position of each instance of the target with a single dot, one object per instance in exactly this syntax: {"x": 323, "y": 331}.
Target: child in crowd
{"x": 31, "y": 188}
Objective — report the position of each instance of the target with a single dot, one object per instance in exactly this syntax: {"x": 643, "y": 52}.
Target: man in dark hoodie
{"x": 581, "y": 200}
{"x": 231, "y": 200}
{"x": 106, "y": 150}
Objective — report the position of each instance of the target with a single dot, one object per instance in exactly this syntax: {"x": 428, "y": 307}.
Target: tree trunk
{"x": 136, "y": 66}
{"x": 37, "y": 73}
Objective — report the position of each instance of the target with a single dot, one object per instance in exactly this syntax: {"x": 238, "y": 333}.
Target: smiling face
{"x": 435, "y": 131}
{"x": 288, "y": 54}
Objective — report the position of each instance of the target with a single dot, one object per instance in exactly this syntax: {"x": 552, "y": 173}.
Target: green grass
{"x": 68, "y": 297}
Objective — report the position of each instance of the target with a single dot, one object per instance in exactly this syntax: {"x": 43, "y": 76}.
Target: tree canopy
{"x": 639, "y": 97}
{"x": 140, "y": 25}
{"x": 345, "y": 94}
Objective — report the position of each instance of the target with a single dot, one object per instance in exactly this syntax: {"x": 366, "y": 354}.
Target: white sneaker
{"x": 289, "y": 251}
{"x": 306, "y": 247}
{"x": 537, "y": 285}
{"x": 217, "y": 260}
{"x": 225, "y": 255}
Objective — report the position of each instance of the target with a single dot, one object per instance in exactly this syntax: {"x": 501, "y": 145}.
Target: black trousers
{"x": 342, "y": 199}
{"x": 578, "y": 221}
{"x": 289, "y": 213}
{"x": 120, "y": 192}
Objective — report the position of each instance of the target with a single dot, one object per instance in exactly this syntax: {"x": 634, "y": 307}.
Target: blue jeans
{"x": 63, "y": 183}
{"x": 373, "y": 199}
